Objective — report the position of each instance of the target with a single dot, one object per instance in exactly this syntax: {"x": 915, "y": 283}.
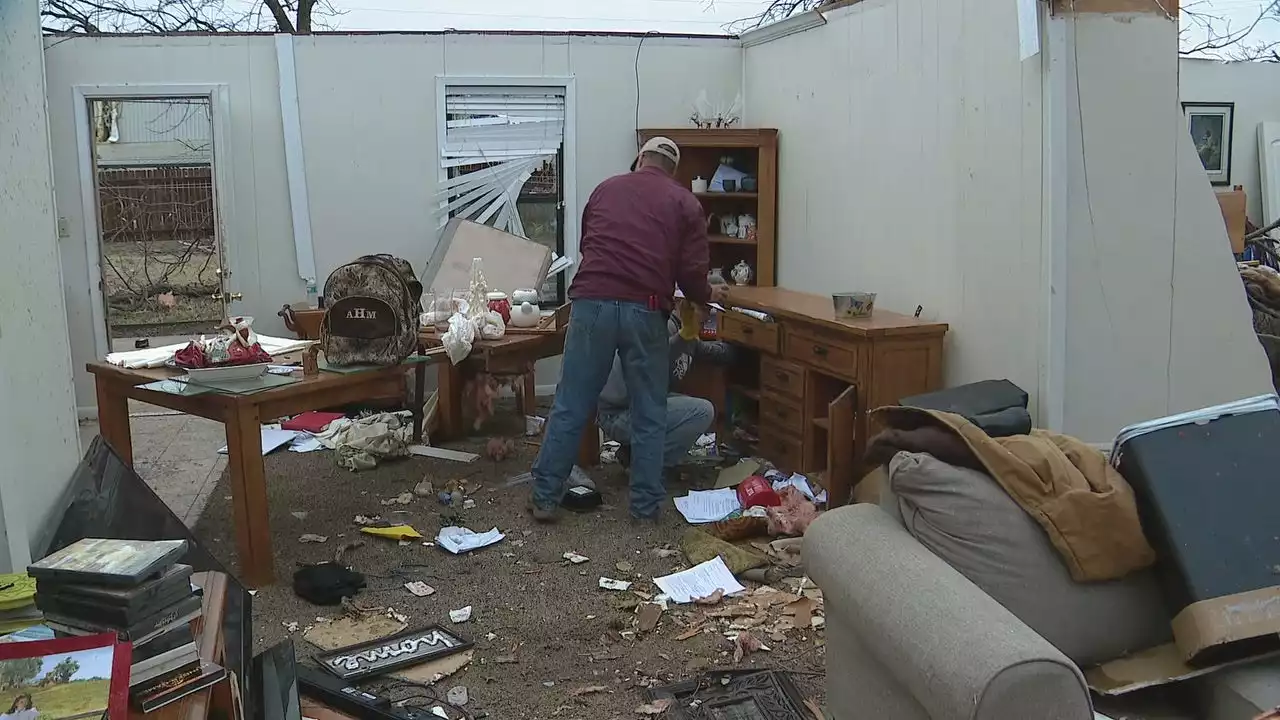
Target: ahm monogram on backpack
{"x": 372, "y": 310}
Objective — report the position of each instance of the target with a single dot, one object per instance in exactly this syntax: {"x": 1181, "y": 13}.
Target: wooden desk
{"x": 815, "y": 377}
{"x": 243, "y": 416}
{"x": 512, "y": 354}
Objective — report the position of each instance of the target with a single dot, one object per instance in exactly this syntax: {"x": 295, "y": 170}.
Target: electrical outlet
{"x": 64, "y": 228}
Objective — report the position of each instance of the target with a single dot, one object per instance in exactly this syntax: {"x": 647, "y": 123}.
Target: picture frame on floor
{"x": 71, "y": 677}
{"x": 1211, "y": 126}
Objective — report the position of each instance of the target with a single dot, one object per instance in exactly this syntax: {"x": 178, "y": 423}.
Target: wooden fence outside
{"x": 156, "y": 204}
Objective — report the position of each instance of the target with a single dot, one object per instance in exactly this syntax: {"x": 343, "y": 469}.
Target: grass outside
{"x": 71, "y": 699}
{"x": 136, "y": 274}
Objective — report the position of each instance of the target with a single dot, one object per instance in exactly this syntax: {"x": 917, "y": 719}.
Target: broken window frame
{"x": 498, "y": 202}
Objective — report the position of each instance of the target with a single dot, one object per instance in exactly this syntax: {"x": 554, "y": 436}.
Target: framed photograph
{"x": 79, "y": 678}
{"x": 1211, "y": 126}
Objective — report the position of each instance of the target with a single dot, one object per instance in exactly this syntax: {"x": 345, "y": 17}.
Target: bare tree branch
{"x": 775, "y": 11}
{"x": 1210, "y": 34}
{"x": 175, "y": 16}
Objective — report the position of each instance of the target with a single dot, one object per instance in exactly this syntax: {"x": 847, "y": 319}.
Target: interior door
{"x": 159, "y": 248}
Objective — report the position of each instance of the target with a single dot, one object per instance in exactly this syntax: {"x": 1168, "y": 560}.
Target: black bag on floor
{"x": 372, "y": 307}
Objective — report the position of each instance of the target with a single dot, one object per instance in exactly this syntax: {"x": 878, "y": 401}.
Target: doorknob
{"x": 231, "y": 297}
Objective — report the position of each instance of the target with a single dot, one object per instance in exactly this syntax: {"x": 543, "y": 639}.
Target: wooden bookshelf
{"x": 755, "y": 152}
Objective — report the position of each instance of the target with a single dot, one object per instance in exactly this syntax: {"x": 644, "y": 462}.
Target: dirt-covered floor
{"x": 549, "y": 643}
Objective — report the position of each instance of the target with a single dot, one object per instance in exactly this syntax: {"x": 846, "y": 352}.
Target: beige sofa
{"x": 909, "y": 638}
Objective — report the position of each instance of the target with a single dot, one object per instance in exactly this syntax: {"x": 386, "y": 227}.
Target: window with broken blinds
{"x": 503, "y": 154}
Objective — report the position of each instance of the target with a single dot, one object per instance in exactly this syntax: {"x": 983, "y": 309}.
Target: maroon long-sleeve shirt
{"x": 643, "y": 234}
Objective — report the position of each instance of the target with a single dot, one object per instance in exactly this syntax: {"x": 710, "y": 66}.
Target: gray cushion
{"x": 968, "y": 520}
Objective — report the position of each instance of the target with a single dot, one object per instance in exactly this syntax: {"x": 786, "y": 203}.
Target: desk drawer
{"x": 811, "y": 349}
{"x": 784, "y": 451}
{"x": 743, "y": 330}
{"x": 781, "y": 414}
{"x": 783, "y": 378}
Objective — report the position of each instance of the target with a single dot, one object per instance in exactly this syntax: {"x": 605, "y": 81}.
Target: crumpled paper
{"x": 459, "y": 338}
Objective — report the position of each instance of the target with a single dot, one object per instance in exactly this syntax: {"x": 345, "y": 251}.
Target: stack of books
{"x": 137, "y": 590}
{"x": 17, "y": 602}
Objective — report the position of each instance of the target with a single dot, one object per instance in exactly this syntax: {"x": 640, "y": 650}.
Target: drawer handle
{"x": 747, "y": 330}
{"x": 819, "y": 351}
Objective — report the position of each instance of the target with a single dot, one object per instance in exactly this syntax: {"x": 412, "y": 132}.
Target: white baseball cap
{"x": 666, "y": 147}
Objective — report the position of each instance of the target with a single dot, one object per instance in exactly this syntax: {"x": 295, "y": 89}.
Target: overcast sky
{"x": 691, "y": 16}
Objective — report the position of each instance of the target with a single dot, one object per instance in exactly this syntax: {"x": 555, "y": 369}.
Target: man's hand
{"x": 719, "y": 293}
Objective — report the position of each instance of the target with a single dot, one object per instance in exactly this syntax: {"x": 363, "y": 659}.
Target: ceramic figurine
{"x": 729, "y": 225}
{"x": 741, "y": 273}
{"x": 525, "y": 315}
{"x": 699, "y": 185}
{"x": 746, "y": 226}
{"x": 715, "y": 276}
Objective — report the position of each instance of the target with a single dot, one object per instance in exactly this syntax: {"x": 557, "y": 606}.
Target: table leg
{"x": 249, "y": 495}
{"x": 589, "y": 445}
{"x": 419, "y": 390}
{"x": 529, "y": 394}
{"x": 113, "y": 419}
{"x": 449, "y": 403}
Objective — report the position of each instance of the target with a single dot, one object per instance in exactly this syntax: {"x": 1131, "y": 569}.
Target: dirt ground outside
{"x": 543, "y": 629}
{"x": 161, "y": 287}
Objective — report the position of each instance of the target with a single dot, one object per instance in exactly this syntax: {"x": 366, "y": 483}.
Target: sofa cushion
{"x": 968, "y": 520}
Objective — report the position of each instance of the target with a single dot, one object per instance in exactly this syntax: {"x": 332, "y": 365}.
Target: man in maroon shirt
{"x": 643, "y": 234}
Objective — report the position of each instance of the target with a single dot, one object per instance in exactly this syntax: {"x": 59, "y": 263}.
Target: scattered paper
{"x": 420, "y": 588}
{"x": 272, "y": 438}
{"x": 458, "y": 540}
{"x": 460, "y": 615}
{"x": 611, "y": 584}
{"x": 796, "y": 481}
{"x": 305, "y": 442}
{"x": 733, "y": 475}
{"x": 424, "y": 489}
{"x": 313, "y": 538}
{"x": 588, "y": 690}
{"x": 442, "y": 453}
{"x": 699, "y": 581}
{"x": 624, "y": 566}
{"x": 707, "y": 506}
{"x": 401, "y": 499}
{"x": 439, "y": 712}
{"x": 457, "y": 695}
{"x": 281, "y": 369}
{"x": 395, "y": 532}
{"x": 575, "y": 558}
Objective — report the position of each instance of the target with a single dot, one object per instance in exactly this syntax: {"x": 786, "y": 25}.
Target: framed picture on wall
{"x": 1210, "y": 125}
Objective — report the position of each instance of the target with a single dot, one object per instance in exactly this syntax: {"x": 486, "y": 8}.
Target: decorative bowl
{"x": 853, "y": 304}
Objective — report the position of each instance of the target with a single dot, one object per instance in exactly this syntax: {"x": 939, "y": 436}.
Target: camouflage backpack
{"x": 372, "y": 310}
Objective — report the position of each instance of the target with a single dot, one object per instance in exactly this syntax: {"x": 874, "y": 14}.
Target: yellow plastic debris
{"x": 395, "y": 532}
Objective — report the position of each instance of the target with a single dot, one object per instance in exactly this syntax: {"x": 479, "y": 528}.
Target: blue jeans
{"x": 599, "y": 330}
{"x": 687, "y": 418}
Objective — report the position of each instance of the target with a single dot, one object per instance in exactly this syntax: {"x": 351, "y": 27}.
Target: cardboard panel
{"x": 510, "y": 261}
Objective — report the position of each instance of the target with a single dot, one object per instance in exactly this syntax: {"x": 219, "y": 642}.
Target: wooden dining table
{"x": 243, "y": 415}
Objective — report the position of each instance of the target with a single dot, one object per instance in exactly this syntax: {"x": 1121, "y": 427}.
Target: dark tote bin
{"x": 1207, "y": 484}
